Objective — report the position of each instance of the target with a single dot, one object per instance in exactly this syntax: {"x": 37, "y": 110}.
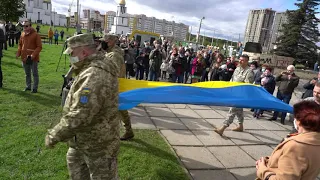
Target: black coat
{"x": 270, "y": 85}
{"x": 309, "y": 89}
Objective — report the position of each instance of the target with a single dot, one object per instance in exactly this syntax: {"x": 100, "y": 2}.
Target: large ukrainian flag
{"x": 215, "y": 93}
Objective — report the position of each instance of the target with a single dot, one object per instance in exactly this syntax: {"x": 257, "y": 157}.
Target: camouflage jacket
{"x": 243, "y": 75}
{"x": 90, "y": 115}
{"x": 117, "y": 54}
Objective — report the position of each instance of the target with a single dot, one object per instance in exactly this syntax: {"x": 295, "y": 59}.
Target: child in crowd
{"x": 164, "y": 67}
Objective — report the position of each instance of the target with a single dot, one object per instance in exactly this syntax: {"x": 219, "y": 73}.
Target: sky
{"x": 223, "y": 18}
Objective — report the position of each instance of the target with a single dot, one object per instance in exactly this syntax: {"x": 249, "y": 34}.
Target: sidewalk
{"x": 205, "y": 154}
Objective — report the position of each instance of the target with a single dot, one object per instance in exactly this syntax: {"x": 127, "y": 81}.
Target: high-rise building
{"x": 279, "y": 20}
{"x": 259, "y": 27}
{"x": 109, "y": 20}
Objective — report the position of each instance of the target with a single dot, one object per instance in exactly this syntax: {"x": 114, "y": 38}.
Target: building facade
{"x": 40, "y": 11}
{"x": 279, "y": 20}
{"x": 92, "y": 20}
{"x": 259, "y": 27}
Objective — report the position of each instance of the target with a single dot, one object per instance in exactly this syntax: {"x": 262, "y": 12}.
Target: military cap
{"x": 78, "y": 41}
{"x": 109, "y": 36}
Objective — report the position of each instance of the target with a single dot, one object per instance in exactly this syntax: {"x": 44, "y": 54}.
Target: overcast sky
{"x": 225, "y": 18}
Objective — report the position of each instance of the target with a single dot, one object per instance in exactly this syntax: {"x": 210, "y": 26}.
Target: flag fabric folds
{"x": 213, "y": 93}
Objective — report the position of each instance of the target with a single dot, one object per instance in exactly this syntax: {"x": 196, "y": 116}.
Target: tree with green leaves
{"x": 300, "y": 33}
{"x": 12, "y": 10}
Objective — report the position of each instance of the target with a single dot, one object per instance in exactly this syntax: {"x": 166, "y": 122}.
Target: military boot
{"x": 221, "y": 130}
{"x": 127, "y": 135}
{"x": 239, "y": 128}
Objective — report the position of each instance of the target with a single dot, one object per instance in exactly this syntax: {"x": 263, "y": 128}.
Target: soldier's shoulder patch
{"x": 84, "y": 96}
{"x": 84, "y": 99}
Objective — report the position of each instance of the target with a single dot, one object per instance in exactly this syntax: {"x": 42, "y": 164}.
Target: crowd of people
{"x": 90, "y": 121}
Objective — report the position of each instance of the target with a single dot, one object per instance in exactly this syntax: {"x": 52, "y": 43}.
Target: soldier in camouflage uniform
{"x": 242, "y": 74}
{"x": 90, "y": 120}
{"x": 118, "y": 56}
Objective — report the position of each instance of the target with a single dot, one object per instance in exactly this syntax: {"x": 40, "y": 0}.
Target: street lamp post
{"x": 199, "y": 32}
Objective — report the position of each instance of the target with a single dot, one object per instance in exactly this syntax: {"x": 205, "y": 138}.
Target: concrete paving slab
{"x": 244, "y": 173}
{"x": 138, "y": 111}
{"x": 196, "y": 124}
{"x": 185, "y": 113}
{"x": 281, "y": 134}
{"x": 199, "y": 107}
{"x": 153, "y": 105}
{"x": 242, "y": 138}
{"x": 252, "y": 125}
{"x": 197, "y": 158}
{"x": 177, "y": 106}
{"x": 168, "y": 123}
{"x": 269, "y": 125}
{"x": 223, "y": 108}
{"x": 266, "y": 136}
{"x": 257, "y": 151}
{"x": 159, "y": 112}
{"x": 142, "y": 122}
{"x": 209, "y": 114}
{"x": 211, "y": 175}
{"x": 210, "y": 138}
{"x": 288, "y": 125}
{"x": 181, "y": 137}
{"x": 232, "y": 156}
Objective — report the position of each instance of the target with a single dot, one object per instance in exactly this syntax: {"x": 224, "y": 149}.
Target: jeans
{"x": 153, "y": 75}
{"x": 139, "y": 73}
{"x": 179, "y": 77}
{"x": 1, "y": 78}
{"x": 27, "y": 69}
{"x": 286, "y": 99}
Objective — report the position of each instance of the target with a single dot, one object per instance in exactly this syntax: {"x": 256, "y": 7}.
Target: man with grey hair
{"x": 288, "y": 82}
{"x": 90, "y": 121}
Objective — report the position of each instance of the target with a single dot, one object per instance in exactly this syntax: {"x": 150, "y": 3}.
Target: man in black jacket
{"x": 309, "y": 87}
{"x": 2, "y": 40}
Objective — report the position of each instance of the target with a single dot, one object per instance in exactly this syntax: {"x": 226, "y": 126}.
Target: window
{"x": 29, "y": 2}
{"x": 47, "y": 6}
{"x": 122, "y": 20}
{"x": 26, "y": 15}
{"x": 38, "y": 15}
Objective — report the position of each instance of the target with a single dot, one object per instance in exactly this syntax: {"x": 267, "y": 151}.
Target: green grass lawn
{"x": 25, "y": 118}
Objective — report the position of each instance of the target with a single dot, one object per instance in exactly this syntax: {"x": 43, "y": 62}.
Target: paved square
{"x": 208, "y": 114}
{"x": 217, "y": 123}
{"x": 168, "y": 123}
{"x": 138, "y": 111}
{"x": 242, "y": 138}
{"x": 153, "y": 105}
{"x": 212, "y": 175}
{"x": 142, "y": 123}
{"x": 232, "y": 156}
{"x": 181, "y": 137}
{"x": 197, "y": 107}
{"x": 177, "y": 106}
{"x": 185, "y": 113}
{"x": 244, "y": 173}
{"x": 211, "y": 138}
{"x": 266, "y": 136}
{"x": 257, "y": 151}
{"x": 193, "y": 124}
{"x": 269, "y": 125}
{"x": 197, "y": 158}
{"x": 159, "y": 112}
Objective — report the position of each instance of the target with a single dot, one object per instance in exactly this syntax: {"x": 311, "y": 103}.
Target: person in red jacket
{"x": 29, "y": 49}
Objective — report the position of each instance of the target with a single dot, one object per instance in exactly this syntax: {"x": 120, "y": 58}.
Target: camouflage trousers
{"x": 84, "y": 165}
{"x": 231, "y": 115}
{"x": 126, "y": 120}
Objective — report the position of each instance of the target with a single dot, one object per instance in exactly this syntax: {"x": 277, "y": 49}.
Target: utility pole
{"x": 203, "y": 38}
{"x": 199, "y": 32}
{"x": 190, "y": 33}
{"x": 78, "y": 17}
